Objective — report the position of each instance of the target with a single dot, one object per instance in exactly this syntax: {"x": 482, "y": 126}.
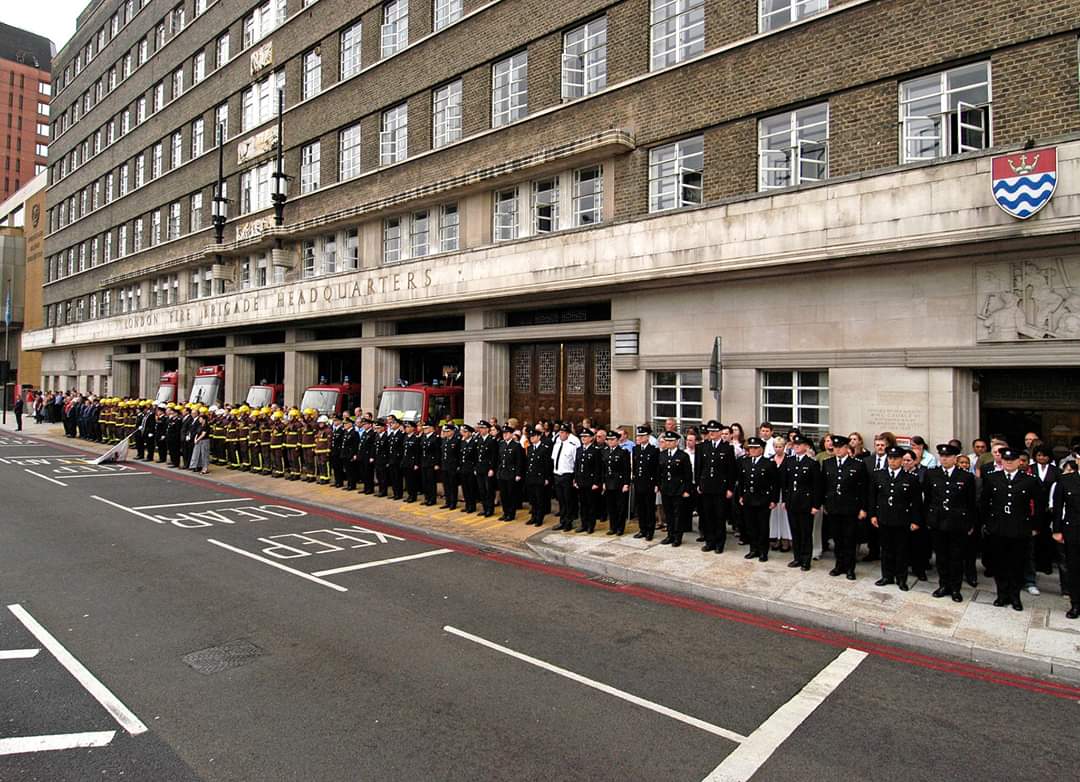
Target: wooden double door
{"x": 567, "y": 381}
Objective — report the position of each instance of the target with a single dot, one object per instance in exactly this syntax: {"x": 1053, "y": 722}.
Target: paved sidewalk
{"x": 1038, "y": 640}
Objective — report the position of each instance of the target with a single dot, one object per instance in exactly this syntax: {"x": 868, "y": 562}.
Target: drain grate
{"x": 488, "y": 550}
{"x": 608, "y": 580}
{"x": 231, "y": 654}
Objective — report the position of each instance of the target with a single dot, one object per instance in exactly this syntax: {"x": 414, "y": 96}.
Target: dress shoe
{"x": 750, "y": 555}
{"x": 972, "y": 582}
{"x": 708, "y": 547}
{"x": 701, "y": 539}
{"x": 676, "y": 543}
{"x": 763, "y": 558}
{"x": 850, "y": 576}
{"x": 1073, "y": 613}
{"x": 883, "y": 582}
{"x": 665, "y": 542}
{"x": 648, "y": 537}
{"x": 920, "y": 574}
{"x": 836, "y": 572}
{"x": 957, "y": 597}
{"x": 719, "y": 550}
{"x": 806, "y": 566}
{"x": 941, "y": 592}
{"x": 1017, "y": 605}
{"x": 1000, "y": 602}
{"x": 639, "y": 535}
{"x": 611, "y": 532}
{"x": 793, "y": 563}
{"x": 903, "y": 586}
{"x": 580, "y": 530}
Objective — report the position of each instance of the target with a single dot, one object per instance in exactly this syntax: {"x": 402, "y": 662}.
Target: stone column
{"x": 966, "y": 424}
{"x": 239, "y": 376}
{"x": 487, "y": 380}
{"x": 379, "y": 367}
{"x": 301, "y": 371}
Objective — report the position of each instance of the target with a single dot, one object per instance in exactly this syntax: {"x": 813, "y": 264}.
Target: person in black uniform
{"x": 616, "y": 461}
{"x": 337, "y": 453}
{"x": 449, "y": 465}
{"x": 410, "y": 462}
{"x": 1006, "y": 509}
{"x": 467, "y": 471}
{"x": 396, "y": 435}
{"x": 187, "y": 437}
{"x": 715, "y": 487}
{"x": 161, "y": 430}
{"x": 801, "y": 491}
{"x": 1066, "y": 532}
{"x": 487, "y": 459}
{"x": 757, "y": 489}
{"x": 676, "y": 482}
{"x": 381, "y": 464}
{"x": 349, "y": 456}
{"x": 149, "y": 426}
{"x": 365, "y": 454}
{"x": 174, "y": 438}
{"x": 588, "y": 480}
{"x": 430, "y": 454}
{"x": 844, "y": 481}
{"x": 510, "y": 471}
{"x": 895, "y": 507}
{"x": 645, "y": 478}
{"x": 950, "y": 515}
{"x": 539, "y": 472}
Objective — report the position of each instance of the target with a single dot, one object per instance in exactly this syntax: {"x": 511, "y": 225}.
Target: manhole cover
{"x": 606, "y": 580}
{"x": 216, "y": 659}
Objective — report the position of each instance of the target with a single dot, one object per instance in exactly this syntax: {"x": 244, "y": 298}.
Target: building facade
{"x": 25, "y": 90}
{"x": 22, "y": 263}
{"x": 622, "y": 209}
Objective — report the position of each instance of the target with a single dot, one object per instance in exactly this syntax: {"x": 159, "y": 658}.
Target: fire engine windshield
{"x": 165, "y": 393}
{"x": 325, "y": 401}
{"x": 259, "y": 396}
{"x": 205, "y": 390}
{"x": 404, "y": 404}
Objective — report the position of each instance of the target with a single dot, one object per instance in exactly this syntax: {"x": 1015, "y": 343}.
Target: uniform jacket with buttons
{"x": 715, "y": 468}
{"x": 588, "y": 467}
{"x": 450, "y": 457}
{"x": 539, "y": 469}
{"x": 645, "y": 467}
{"x": 800, "y": 482}
{"x": 895, "y": 502}
{"x": 1007, "y": 507}
{"x": 676, "y": 472}
{"x": 511, "y": 460}
{"x": 757, "y": 484}
{"x": 950, "y": 500}
{"x": 410, "y": 452}
{"x": 431, "y": 448}
{"x": 1066, "y": 510}
{"x": 844, "y": 489}
{"x": 616, "y": 468}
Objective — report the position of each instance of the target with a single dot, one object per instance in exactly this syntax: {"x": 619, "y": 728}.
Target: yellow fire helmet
{"x": 204, "y": 410}
{"x": 294, "y": 413}
{"x": 278, "y": 415}
{"x": 264, "y": 410}
{"x": 311, "y": 411}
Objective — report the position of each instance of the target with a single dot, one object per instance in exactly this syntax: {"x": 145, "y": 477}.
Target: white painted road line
{"x": 121, "y": 713}
{"x": 279, "y": 566}
{"x": 730, "y": 735}
{"x": 378, "y": 562}
{"x": 122, "y": 474}
{"x": 185, "y": 504}
{"x": 126, "y": 509}
{"x": 18, "y": 654}
{"x": 46, "y": 477}
{"x": 19, "y": 745}
{"x": 748, "y": 757}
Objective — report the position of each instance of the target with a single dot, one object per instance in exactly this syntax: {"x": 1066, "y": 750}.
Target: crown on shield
{"x": 1024, "y": 167}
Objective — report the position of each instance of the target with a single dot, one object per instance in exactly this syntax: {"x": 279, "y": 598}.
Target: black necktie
{"x": 558, "y": 452}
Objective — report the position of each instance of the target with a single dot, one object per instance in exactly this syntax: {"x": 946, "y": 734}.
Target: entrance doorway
{"x": 561, "y": 380}
{"x": 1044, "y": 401}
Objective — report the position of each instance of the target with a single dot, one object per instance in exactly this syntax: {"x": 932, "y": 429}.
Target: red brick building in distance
{"x": 25, "y": 90}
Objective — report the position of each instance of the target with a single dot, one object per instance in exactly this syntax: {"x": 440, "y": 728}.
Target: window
{"x": 200, "y": 7}
{"x": 198, "y": 68}
{"x": 419, "y": 234}
{"x": 506, "y": 215}
{"x": 395, "y": 28}
{"x": 350, "y": 50}
{"x": 329, "y": 253}
{"x": 177, "y": 83}
{"x": 312, "y": 82}
{"x": 394, "y": 138}
{"x": 127, "y": 66}
{"x": 391, "y": 240}
{"x": 80, "y": 309}
{"x": 173, "y": 228}
{"x": 82, "y": 257}
{"x": 319, "y": 255}
{"x": 447, "y": 12}
{"x": 197, "y": 134}
{"x": 449, "y": 223}
{"x": 676, "y": 395}
{"x": 793, "y": 147}
{"x": 97, "y": 194}
{"x": 588, "y": 196}
{"x": 137, "y": 233}
{"x": 260, "y": 100}
{"x": 93, "y": 306}
{"x": 796, "y": 398}
{"x": 140, "y": 171}
{"x": 309, "y": 167}
{"x": 222, "y": 56}
{"x": 108, "y": 250}
{"x": 221, "y": 123}
{"x": 255, "y": 188}
{"x": 155, "y": 168}
{"x": 43, "y": 129}
{"x": 446, "y": 114}
{"x": 179, "y": 19}
{"x": 155, "y": 227}
{"x": 41, "y": 150}
{"x": 108, "y": 187}
{"x": 510, "y": 89}
{"x": 351, "y": 257}
{"x": 159, "y": 97}
{"x": 106, "y": 302}
{"x": 44, "y": 88}
{"x": 946, "y": 113}
{"x": 307, "y": 258}
{"x": 675, "y": 172}
{"x": 584, "y": 59}
{"x": 43, "y": 109}
{"x": 263, "y": 20}
{"x": 121, "y": 241}
{"x": 677, "y": 31}
{"x": 176, "y": 154}
{"x": 349, "y": 154}
{"x": 144, "y": 50}
{"x": 196, "y": 212}
{"x": 545, "y": 205}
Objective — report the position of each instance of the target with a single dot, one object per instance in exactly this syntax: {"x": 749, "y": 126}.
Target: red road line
{"x": 827, "y": 637}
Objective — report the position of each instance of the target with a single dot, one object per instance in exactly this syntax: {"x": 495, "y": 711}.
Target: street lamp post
{"x": 280, "y": 180}
{"x": 220, "y": 203}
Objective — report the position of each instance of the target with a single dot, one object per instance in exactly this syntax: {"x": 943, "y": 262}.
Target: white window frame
{"x": 394, "y": 135}
{"x": 675, "y": 397}
{"x": 671, "y": 180}
{"x": 791, "y": 146}
{"x": 172, "y": 228}
{"x": 198, "y": 134}
{"x": 588, "y": 206}
{"x": 544, "y": 195}
{"x": 510, "y": 89}
{"x": 506, "y": 215}
{"x": 198, "y": 68}
{"x": 951, "y": 109}
{"x": 349, "y": 164}
{"x": 255, "y": 188}
{"x": 446, "y": 13}
{"x": 393, "y": 239}
{"x": 137, "y": 234}
{"x": 196, "y": 210}
{"x": 584, "y": 59}
{"x": 310, "y": 167}
{"x": 420, "y": 233}
{"x": 394, "y": 32}
{"x": 176, "y": 153}
{"x": 770, "y": 408}
{"x": 221, "y": 50}
{"x": 449, "y": 228}
{"x": 351, "y": 48}
{"x": 260, "y": 101}
{"x": 446, "y": 114}
{"x": 787, "y": 12}
{"x": 676, "y": 32}
{"x": 312, "y": 74}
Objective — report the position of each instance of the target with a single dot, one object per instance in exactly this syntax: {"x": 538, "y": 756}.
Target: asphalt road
{"x": 440, "y": 662}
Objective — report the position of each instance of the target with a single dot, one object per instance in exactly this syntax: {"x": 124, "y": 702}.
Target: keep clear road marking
{"x": 185, "y": 504}
{"x": 15, "y": 746}
{"x": 126, "y": 509}
{"x": 378, "y": 562}
{"x": 18, "y": 654}
{"x": 121, "y": 474}
{"x": 730, "y": 735}
{"x": 749, "y": 756}
{"x": 128, "y": 721}
{"x": 47, "y": 478}
{"x": 278, "y": 565}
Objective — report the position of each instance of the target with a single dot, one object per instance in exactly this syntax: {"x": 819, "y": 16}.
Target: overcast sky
{"x": 55, "y": 19}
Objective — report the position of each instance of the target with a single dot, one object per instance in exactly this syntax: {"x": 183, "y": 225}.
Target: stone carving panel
{"x": 257, "y": 145}
{"x": 1028, "y": 299}
{"x": 262, "y": 57}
